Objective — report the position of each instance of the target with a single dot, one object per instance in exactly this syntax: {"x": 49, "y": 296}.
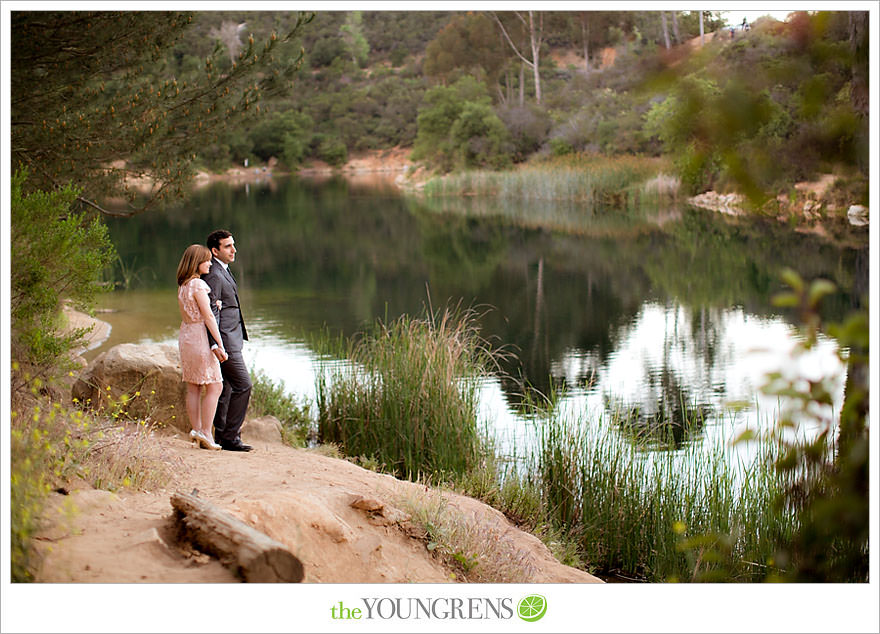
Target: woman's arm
{"x": 204, "y": 304}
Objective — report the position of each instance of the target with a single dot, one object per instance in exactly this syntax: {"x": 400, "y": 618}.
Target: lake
{"x": 657, "y": 313}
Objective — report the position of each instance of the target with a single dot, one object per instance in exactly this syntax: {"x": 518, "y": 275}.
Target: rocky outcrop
{"x": 265, "y": 429}
{"x": 730, "y": 204}
{"x": 143, "y": 380}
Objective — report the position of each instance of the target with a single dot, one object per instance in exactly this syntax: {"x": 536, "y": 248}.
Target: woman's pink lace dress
{"x": 198, "y": 363}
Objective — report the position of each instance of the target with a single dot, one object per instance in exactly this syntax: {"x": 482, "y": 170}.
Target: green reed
{"x": 402, "y": 400}
{"x": 693, "y": 514}
{"x": 585, "y": 179}
{"x": 611, "y": 502}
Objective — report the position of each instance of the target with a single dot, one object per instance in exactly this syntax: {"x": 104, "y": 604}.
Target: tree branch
{"x": 509, "y": 41}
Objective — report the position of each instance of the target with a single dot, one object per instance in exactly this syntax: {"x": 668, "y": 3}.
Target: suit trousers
{"x": 233, "y": 402}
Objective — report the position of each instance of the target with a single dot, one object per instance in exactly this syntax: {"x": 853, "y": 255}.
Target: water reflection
{"x": 651, "y": 314}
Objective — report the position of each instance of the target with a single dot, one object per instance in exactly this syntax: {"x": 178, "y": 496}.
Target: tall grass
{"x": 604, "y": 500}
{"x": 589, "y": 180}
{"x": 694, "y": 514}
{"x": 405, "y": 399}
{"x": 271, "y": 398}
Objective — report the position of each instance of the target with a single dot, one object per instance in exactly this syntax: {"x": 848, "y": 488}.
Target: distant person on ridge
{"x": 225, "y": 305}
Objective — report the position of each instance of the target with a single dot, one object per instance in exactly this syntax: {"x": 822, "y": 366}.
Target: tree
{"x": 94, "y": 99}
{"x": 533, "y": 29}
{"x": 466, "y": 44}
{"x": 56, "y": 254}
{"x": 702, "y": 32}
{"x": 665, "y": 29}
{"x": 353, "y": 35}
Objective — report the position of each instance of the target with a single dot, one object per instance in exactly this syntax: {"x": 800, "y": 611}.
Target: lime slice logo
{"x": 532, "y": 607}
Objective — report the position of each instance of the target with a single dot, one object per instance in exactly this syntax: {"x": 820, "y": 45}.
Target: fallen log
{"x": 253, "y": 555}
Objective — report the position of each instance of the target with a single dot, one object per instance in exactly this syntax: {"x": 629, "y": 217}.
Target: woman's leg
{"x": 209, "y": 406}
{"x": 193, "y": 396}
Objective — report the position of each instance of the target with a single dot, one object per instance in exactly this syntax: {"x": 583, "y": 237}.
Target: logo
{"x": 531, "y": 608}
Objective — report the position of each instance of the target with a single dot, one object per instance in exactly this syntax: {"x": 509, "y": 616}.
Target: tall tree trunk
{"x": 858, "y": 41}
{"x": 522, "y": 85}
{"x": 535, "y": 28}
{"x": 665, "y": 29}
{"x": 702, "y": 33}
{"x": 536, "y": 35}
{"x": 585, "y": 32}
{"x": 675, "y": 27}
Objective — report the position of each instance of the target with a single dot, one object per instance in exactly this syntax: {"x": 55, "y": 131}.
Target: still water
{"x": 654, "y": 313}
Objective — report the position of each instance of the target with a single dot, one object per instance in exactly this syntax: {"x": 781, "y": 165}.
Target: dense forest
{"x": 489, "y": 90}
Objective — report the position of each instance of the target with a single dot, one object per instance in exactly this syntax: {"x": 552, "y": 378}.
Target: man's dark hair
{"x": 213, "y": 241}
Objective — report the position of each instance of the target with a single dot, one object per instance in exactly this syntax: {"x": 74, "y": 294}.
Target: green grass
{"x": 693, "y": 514}
{"x": 597, "y": 496}
{"x": 270, "y": 398}
{"x": 405, "y": 399}
{"x": 590, "y": 180}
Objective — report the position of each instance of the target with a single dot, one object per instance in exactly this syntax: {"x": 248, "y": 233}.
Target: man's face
{"x": 226, "y": 252}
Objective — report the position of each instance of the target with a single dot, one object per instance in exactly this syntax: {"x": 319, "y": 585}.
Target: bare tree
{"x": 229, "y": 33}
{"x": 675, "y": 27}
{"x": 702, "y": 33}
{"x": 534, "y": 26}
{"x": 665, "y": 29}
{"x": 585, "y": 32}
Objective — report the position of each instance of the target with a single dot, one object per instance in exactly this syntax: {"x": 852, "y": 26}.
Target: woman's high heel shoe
{"x": 194, "y": 436}
{"x": 206, "y": 442}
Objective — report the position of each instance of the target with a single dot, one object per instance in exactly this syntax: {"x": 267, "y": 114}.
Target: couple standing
{"x": 212, "y": 332}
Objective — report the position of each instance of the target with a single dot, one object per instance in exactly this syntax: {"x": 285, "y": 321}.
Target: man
{"x": 233, "y": 402}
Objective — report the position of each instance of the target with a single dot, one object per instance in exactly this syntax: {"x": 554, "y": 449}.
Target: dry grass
{"x": 476, "y": 552}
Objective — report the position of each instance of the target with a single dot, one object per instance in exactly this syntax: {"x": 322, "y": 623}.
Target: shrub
{"x": 57, "y": 254}
{"x": 333, "y": 151}
{"x": 409, "y": 396}
{"x": 269, "y": 398}
{"x": 479, "y": 138}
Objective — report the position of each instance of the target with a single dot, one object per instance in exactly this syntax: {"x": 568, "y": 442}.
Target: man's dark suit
{"x": 232, "y": 406}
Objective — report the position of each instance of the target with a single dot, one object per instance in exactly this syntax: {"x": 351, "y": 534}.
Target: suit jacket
{"x": 228, "y": 316}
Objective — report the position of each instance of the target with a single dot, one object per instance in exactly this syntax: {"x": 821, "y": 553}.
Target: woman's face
{"x": 204, "y": 267}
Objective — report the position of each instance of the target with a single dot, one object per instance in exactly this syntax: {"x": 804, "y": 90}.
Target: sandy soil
{"x": 296, "y": 496}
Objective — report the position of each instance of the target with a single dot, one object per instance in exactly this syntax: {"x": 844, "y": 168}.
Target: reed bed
{"x": 402, "y": 400}
{"x": 586, "y": 179}
{"x": 694, "y": 514}
{"x": 606, "y": 501}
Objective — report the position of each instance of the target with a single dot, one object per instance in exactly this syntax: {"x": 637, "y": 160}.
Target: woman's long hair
{"x": 194, "y": 255}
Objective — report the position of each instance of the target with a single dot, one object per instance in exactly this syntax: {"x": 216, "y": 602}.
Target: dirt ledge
{"x": 300, "y": 498}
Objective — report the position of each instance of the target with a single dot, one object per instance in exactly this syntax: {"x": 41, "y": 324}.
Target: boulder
{"x": 265, "y": 429}
{"x": 143, "y": 380}
{"x": 857, "y": 215}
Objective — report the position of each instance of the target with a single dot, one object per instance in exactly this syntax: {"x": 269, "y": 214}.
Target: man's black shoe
{"x": 236, "y": 446}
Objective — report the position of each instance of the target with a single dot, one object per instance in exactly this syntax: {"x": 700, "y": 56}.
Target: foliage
{"x": 57, "y": 254}
{"x": 458, "y": 128}
{"x": 409, "y": 397}
{"x": 51, "y": 444}
{"x": 353, "y": 36}
{"x": 829, "y": 473}
{"x": 108, "y": 88}
{"x": 467, "y": 44}
{"x": 270, "y": 399}
{"x": 772, "y": 107}
{"x": 592, "y": 180}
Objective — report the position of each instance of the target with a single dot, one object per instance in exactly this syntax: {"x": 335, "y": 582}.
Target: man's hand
{"x": 220, "y": 353}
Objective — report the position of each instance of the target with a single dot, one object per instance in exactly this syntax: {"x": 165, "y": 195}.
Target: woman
{"x": 199, "y": 364}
